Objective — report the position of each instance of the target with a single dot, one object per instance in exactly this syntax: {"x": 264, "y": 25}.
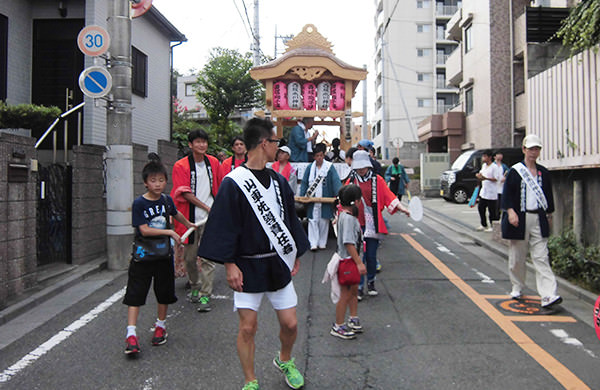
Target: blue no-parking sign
{"x": 95, "y": 81}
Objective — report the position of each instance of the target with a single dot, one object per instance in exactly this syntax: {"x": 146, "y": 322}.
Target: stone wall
{"x": 18, "y": 194}
{"x": 88, "y": 226}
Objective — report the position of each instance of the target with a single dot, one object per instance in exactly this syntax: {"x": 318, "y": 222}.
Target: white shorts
{"x": 282, "y": 299}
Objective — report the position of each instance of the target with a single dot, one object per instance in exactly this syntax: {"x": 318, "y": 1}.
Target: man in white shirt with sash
{"x": 253, "y": 229}
{"x": 320, "y": 180}
{"x": 528, "y": 201}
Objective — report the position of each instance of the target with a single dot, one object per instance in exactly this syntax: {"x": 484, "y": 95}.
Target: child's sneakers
{"x": 132, "y": 346}
{"x": 342, "y": 331}
{"x": 160, "y": 336}
{"x": 354, "y": 325}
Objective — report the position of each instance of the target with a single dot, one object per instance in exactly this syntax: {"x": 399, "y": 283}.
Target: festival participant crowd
{"x": 240, "y": 211}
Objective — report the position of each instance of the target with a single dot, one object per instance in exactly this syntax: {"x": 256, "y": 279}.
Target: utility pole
{"x": 119, "y": 154}
{"x": 365, "y": 130}
{"x": 284, "y": 39}
{"x": 256, "y": 46}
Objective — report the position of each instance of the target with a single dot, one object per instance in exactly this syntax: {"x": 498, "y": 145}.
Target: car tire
{"x": 460, "y": 195}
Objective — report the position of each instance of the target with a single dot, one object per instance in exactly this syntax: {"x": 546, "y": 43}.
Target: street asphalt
{"x": 422, "y": 331}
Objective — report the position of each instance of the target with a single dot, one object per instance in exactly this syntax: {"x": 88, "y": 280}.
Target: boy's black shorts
{"x": 140, "y": 276}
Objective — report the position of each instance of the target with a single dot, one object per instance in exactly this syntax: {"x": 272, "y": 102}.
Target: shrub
{"x": 575, "y": 262}
{"x": 27, "y": 116}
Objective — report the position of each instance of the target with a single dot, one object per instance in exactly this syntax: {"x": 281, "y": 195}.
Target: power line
{"x": 241, "y": 17}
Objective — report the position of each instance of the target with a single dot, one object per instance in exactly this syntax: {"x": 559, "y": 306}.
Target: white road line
{"x": 485, "y": 278}
{"x": 564, "y": 337}
{"x": 59, "y": 337}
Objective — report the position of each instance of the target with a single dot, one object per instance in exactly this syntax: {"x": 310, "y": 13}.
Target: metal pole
{"x": 119, "y": 154}
{"x": 384, "y": 124}
{"x": 66, "y": 142}
{"x": 256, "y": 35}
{"x": 78, "y": 128}
{"x": 365, "y": 131}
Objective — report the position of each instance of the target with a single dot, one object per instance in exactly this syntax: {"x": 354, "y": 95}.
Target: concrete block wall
{"x": 18, "y": 260}
{"x": 168, "y": 155}
{"x": 88, "y": 224}
{"x": 562, "y": 185}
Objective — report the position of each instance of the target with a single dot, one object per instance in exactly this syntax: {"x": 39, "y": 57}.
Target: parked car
{"x": 459, "y": 182}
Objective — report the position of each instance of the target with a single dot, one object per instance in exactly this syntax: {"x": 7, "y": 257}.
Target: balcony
{"x": 520, "y": 36}
{"x": 521, "y": 111}
{"x": 445, "y": 11}
{"x": 440, "y": 59}
{"x": 453, "y": 27}
{"x": 454, "y": 70}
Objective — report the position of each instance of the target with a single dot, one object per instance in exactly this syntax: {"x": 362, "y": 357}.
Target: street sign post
{"x": 95, "y": 81}
{"x": 93, "y": 41}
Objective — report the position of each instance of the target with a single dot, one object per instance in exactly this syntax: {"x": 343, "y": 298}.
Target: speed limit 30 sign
{"x": 93, "y": 40}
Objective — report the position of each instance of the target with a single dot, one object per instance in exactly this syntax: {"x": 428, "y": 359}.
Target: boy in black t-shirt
{"x": 150, "y": 217}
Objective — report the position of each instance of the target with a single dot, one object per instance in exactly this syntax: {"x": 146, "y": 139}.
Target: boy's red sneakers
{"x": 160, "y": 336}
{"x": 132, "y": 345}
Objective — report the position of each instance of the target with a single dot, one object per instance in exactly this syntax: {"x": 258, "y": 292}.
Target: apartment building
{"x": 410, "y": 63}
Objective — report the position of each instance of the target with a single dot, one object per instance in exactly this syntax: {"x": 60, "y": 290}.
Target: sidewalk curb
{"x": 39, "y": 297}
{"x": 497, "y": 249}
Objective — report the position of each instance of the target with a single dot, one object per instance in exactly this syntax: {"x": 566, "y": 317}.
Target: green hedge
{"x": 27, "y": 116}
{"x": 575, "y": 262}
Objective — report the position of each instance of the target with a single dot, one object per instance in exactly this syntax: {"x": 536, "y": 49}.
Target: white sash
{"x": 315, "y": 183}
{"x": 271, "y": 222}
{"x": 525, "y": 174}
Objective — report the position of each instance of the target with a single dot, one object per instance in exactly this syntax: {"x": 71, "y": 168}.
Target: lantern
{"x": 294, "y": 95}
{"x": 280, "y": 101}
{"x": 338, "y": 95}
{"x": 323, "y": 95}
{"x": 308, "y": 96}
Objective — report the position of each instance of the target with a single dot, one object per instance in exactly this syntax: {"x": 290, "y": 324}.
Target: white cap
{"x": 360, "y": 159}
{"x": 285, "y": 149}
{"x": 531, "y": 141}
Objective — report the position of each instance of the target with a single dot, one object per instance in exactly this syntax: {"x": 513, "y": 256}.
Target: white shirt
{"x": 489, "y": 189}
{"x": 202, "y": 190}
{"x": 306, "y": 135}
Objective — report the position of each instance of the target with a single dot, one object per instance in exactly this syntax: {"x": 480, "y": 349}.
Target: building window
{"x": 423, "y": 52}
{"x": 139, "y": 73}
{"x": 423, "y": 3}
{"x": 423, "y": 28}
{"x": 469, "y": 101}
{"x": 422, "y": 103}
{"x": 3, "y": 56}
{"x": 189, "y": 89}
{"x": 423, "y": 77}
{"x": 468, "y": 41}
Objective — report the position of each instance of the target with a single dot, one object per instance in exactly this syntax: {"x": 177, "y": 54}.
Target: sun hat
{"x": 285, "y": 149}
{"x": 360, "y": 159}
{"x": 531, "y": 141}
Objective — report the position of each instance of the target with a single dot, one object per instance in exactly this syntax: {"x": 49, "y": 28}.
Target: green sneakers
{"x": 204, "y": 304}
{"x": 194, "y": 296}
{"x": 293, "y": 378}
{"x": 251, "y": 385}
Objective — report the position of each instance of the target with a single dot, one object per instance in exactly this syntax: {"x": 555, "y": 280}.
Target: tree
{"x": 581, "y": 29}
{"x": 224, "y": 86}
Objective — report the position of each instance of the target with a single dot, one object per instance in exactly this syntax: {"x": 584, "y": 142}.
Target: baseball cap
{"x": 366, "y": 143}
{"x": 531, "y": 141}
{"x": 285, "y": 149}
{"x": 360, "y": 159}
